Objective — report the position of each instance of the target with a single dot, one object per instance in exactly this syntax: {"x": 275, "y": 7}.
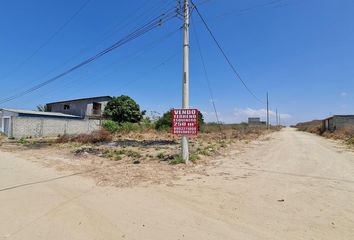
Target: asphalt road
{"x": 294, "y": 186}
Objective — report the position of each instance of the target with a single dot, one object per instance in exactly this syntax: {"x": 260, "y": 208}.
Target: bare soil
{"x": 293, "y": 186}
{"x": 134, "y": 159}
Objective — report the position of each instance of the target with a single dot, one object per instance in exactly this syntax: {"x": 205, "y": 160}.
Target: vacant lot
{"x": 135, "y": 158}
{"x": 294, "y": 185}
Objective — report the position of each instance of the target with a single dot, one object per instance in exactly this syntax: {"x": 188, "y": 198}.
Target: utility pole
{"x": 267, "y": 112}
{"x": 276, "y": 116}
{"x": 185, "y": 80}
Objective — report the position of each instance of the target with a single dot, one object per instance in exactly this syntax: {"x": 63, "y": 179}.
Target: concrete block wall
{"x": 51, "y": 127}
{"x": 344, "y": 122}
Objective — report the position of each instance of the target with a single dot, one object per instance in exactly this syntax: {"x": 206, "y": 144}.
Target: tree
{"x": 123, "y": 109}
{"x": 165, "y": 122}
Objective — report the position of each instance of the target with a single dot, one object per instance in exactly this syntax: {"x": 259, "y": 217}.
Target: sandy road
{"x": 295, "y": 186}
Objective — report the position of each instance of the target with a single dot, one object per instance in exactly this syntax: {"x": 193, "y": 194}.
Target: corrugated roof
{"x": 339, "y": 116}
{"x": 52, "y": 114}
{"x": 80, "y": 99}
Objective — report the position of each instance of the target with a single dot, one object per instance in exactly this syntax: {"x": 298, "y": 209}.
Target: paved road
{"x": 295, "y": 186}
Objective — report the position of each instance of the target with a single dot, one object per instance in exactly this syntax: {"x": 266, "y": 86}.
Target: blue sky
{"x": 300, "y": 51}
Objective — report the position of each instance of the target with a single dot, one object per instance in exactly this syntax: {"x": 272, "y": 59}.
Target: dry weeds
{"x": 135, "y": 158}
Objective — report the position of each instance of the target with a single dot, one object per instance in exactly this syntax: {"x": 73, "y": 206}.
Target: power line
{"x": 158, "y": 21}
{"x": 122, "y": 24}
{"x": 46, "y": 42}
{"x": 207, "y": 77}
{"x": 249, "y": 9}
{"x": 225, "y": 56}
{"x": 130, "y": 57}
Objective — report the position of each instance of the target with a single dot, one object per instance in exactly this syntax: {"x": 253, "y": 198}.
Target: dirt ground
{"x": 134, "y": 159}
{"x": 294, "y": 185}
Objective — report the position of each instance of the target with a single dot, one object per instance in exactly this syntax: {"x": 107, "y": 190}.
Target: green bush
{"x": 165, "y": 122}
{"x": 123, "y": 109}
{"x": 110, "y": 126}
{"x": 128, "y": 127}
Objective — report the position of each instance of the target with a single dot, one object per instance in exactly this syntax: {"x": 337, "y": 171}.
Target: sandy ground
{"x": 295, "y": 186}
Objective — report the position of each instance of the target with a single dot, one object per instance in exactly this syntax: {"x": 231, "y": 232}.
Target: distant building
{"x": 337, "y": 122}
{"x": 16, "y": 123}
{"x": 255, "y": 121}
{"x": 85, "y": 107}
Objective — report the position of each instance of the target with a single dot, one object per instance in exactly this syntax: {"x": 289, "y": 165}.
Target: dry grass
{"x": 314, "y": 126}
{"x": 94, "y": 137}
{"x": 345, "y": 134}
{"x": 138, "y": 157}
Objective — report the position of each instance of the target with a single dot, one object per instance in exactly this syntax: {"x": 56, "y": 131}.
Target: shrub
{"x": 128, "y": 127}
{"x": 165, "y": 122}
{"x": 94, "y": 137}
{"x": 110, "y": 126}
{"x": 123, "y": 109}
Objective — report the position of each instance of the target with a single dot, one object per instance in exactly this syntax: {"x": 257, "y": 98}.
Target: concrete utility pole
{"x": 267, "y": 112}
{"x": 276, "y": 116}
{"x": 185, "y": 80}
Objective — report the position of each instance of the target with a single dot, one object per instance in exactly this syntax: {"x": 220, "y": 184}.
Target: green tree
{"x": 165, "y": 122}
{"x": 123, "y": 109}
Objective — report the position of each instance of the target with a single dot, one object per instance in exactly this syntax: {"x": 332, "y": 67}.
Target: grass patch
{"x": 23, "y": 141}
{"x": 350, "y": 141}
{"x": 177, "y": 160}
{"x": 119, "y": 154}
{"x": 133, "y": 154}
{"x": 194, "y": 157}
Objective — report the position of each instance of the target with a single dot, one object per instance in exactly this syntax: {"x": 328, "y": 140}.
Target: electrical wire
{"x": 92, "y": 78}
{"x": 158, "y": 21}
{"x": 109, "y": 34}
{"x": 46, "y": 42}
{"x": 225, "y": 56}
{"x": 207, "y": 77}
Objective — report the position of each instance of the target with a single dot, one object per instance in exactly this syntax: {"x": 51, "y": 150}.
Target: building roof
{"x": 80, "y": 99}
{"x": 29, "y": 112}
{"x": 349, "y": 116}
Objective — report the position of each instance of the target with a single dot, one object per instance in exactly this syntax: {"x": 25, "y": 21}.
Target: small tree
{"x": 165, "y": 122}
{"x": 123, "y": 109}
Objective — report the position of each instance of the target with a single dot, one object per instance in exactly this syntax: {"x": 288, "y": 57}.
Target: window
{"x": 66, "y": 107}
{"x": 96, "y": 108}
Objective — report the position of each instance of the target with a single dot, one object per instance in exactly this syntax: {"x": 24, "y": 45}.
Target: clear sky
{"x": 300, "y": 51}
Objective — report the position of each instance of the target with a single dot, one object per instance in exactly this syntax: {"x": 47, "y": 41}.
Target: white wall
{"x": 50, "y": 127}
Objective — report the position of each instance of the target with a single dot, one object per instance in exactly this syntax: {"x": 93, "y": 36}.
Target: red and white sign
{"x": 185, "y": 122}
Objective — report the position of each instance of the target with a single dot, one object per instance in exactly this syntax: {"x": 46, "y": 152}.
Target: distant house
{"x": 85, "y": 107}
{"x": 255, "y": 121}
{"x": 338, "y": 122}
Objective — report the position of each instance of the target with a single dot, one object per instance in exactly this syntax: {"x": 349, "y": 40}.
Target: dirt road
{"x": 295, "y": 186}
